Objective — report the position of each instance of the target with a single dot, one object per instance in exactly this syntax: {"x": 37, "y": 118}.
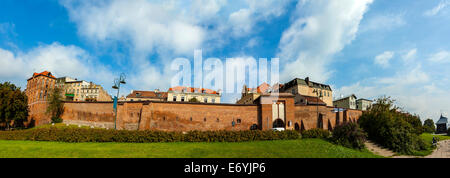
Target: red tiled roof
{"x": 263, "y": 88}
{"x": 314, "y": 100}
{"x": 45, "y": 73}
{"x": 147, "y": 94}
{"x": 193, "y": 90}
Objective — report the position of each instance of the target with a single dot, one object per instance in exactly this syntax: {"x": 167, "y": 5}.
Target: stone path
{"x": 379, "y": 150}
{"x": 442, "y": 150}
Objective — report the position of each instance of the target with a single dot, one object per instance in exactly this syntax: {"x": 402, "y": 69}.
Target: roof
{"x": 306, "y": 81}
{"x": 45, "y": 73}
{"x": 442, "y": 120}
{"x": 310, "y": 100}
{"x": 263, "y": 88}
{"x": 364, "y": 99}
{"x": 147, "y": 94}
{"x": 182, "y": 89}
{"x": 352, "y": 95}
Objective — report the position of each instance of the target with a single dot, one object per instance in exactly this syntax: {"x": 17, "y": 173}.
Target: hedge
{"x": 102, "y": 135}
{"x": 316, "y": 133}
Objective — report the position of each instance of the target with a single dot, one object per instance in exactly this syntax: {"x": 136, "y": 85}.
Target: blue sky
{"x": 366, "y": 47}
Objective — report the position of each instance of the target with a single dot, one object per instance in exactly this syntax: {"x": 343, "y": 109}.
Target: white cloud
{"x": 167, "y": 29}
{"x": 59, "y": 59}
{"x": 440, "y": 57}
{"x": 441, "y": 6}
{"x": 383, "y": 22}
{"x": 410, "y": 55}
{"x": 384, "y": 58}
{"x": 321, "y": 29}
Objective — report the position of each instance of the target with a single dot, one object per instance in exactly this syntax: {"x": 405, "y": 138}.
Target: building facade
{"x": 93, "y": 92}
{"x": 363, "y": 104}
{"x": 442, "y": 125}
{"x": 155, "y": 95}
{"x": 348, "y": 102}
{"x": 306, "y": 87}
{"x": 38, "y": 89}
{"x": 186, "y": 94}
{"x": 249, "y": 95}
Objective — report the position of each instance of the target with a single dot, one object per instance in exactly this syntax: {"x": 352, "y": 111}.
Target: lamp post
{"x": 116, "y": 86}
{"x": 319, "y": 95}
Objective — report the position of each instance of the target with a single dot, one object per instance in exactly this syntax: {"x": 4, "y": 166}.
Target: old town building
{"x": 187, "y": 94}
{"x": 363, "y": 104}
{"x": 249, "y": 95}
{"x": 147, "y": 96}
{"x": 38, "y": 89}
{"x": 309, "y": 88}
{"x": 348, "y": 102}
{"x": 94, "y": 92}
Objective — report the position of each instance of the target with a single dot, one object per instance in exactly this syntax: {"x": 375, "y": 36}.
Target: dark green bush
{"x": 349, "y": 135}
{"x": 316, "y": 133}
{"x": 395, "y": 130}
{"x": 56, "y": 120}
{"x": 102, "y": 135}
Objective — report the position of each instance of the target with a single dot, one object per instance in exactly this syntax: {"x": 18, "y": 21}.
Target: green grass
{"x": 429, "y": 139}
{"x": 303, "y": 148}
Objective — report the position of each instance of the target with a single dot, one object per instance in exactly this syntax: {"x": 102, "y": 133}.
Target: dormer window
{"x": 138, "y": 94}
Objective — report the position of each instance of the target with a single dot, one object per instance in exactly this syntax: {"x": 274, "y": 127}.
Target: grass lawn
{"x": 303, "y": 148}
{"x": 429, "y": 139}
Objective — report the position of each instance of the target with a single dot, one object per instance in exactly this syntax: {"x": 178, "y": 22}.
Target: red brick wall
{"x": 168, "y": 116}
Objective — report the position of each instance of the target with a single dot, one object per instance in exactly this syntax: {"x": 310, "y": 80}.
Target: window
{"x": 213, "y": 100}
{"x": 182, "y": 99}
{"x": 174, "y": 98}
{"x": 191, "y": 119}
{"x": 206, "y": 100}
{"x": 218, "y": 120}
{"x": 204, "y": 119}
{"x": 238, "y": 121}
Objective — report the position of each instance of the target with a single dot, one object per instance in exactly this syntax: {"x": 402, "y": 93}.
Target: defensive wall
{"x": 181, "y": 116}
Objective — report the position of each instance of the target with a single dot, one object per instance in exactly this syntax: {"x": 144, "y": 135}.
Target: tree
{"x": 428, "y": 126}
{"x": 387, "y": 126}
{"x": 13, "y": 105}
{"x": 194, "y": 100}
{"x": 55, "y": 105}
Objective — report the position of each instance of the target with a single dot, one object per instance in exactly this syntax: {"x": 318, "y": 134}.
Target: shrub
{"x": 56, "y": 120}
{"x": 316, "y": 133}
{"x": 388, "y": 127}
{"x": 349, "y": 135}
{"x": 102, "y": 135}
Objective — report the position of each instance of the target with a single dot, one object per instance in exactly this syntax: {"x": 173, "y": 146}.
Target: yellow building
{"x": 94, "y": 92}
{"x": 187, "y": 94}
{"x": 74, "y": 90}
{"x": 306, "y": 87}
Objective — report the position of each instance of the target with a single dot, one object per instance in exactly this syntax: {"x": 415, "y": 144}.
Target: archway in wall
{"x": 337, "y": 118}
{"x": 302, "y": 127}
{"x": 297, "y": 127}
{"x": 279, "y": 124}
{"x": 320, "y": 121}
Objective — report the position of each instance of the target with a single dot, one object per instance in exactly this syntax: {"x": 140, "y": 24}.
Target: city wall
{"x": 171, "y": 116}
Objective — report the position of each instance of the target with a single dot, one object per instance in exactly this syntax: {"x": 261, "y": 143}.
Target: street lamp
{"x": 116, "y": 86}
{"x": 319, "y": 95}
